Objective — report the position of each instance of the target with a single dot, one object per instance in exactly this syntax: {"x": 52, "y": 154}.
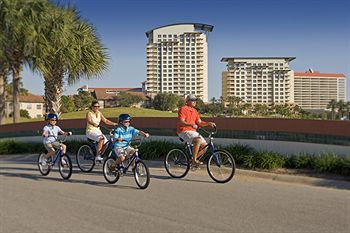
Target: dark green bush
{"x": 326, "y": 163}
{"x": 300, "y": 161}
{"x": 269, "y": 160}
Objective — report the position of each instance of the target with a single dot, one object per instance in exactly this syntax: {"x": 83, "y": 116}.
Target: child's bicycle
{"x": 64, "y": 162}
{"x": 86, "y": 153}
{"x": 112, "y": 172}
{"x": 220, "y": 164}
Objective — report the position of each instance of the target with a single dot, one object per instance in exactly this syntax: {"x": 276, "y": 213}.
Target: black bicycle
{"x": 220, "y": 164}
{"x": 112, "y": 172}
{"x": 64, "y": 162}
{"x": 87, "y": 153}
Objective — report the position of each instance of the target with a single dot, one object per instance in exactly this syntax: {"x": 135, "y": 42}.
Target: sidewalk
{"x": 298, "y": 179}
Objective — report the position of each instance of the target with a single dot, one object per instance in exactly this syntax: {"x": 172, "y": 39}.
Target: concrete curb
{"x": 297, "y": 179}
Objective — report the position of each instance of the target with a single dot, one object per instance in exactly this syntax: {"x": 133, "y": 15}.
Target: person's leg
{"x": 100, "y": 145}
{"x": 196, "y": 144}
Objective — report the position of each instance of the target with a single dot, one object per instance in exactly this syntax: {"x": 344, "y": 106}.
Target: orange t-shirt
{"x": 190, "y": 115}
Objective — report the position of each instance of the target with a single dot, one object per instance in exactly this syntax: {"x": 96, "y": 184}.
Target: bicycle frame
{"x": 209, "y": 145}
{"x": 133, "y": 158}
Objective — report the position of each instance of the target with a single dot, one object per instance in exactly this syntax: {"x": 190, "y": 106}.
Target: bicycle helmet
{"x": 124, "y": 117}
{"x": 51, "y": 116}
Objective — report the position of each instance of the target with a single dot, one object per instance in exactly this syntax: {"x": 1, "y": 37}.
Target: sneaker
{"x": 98, "y": 158}
{"x": 63, "y": 162}
{"x": 44, "y": 162}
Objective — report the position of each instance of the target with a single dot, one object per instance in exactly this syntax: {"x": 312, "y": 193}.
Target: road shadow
{"x": 38, "y": 177}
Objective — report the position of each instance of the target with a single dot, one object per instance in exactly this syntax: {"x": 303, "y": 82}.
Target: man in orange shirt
{"x": 187, "y": 124}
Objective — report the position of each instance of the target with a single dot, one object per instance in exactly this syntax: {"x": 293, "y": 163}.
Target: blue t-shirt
{"x": 52, "y": 132}
{"x": 125, "y": 134}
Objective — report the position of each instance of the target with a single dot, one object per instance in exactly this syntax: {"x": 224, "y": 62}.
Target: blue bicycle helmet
{"x": 51, "y": 116}
{"x": 124, "y": 117}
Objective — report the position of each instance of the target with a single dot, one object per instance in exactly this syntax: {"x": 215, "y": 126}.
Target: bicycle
{"x": 220, "y": 164}
{"x": 64, "y": 165}
{"x": 112, "y": 172}
{"x": 87, "y": 153}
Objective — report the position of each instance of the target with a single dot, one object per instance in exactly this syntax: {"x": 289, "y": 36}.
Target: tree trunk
{"x": 17, "y": 68}
{"x": 3, "y": 81}
{"x": 53, "y": 93}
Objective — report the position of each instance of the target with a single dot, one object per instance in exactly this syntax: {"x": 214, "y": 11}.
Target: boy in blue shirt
{"x": 50, "y": 134}
{"x": 123, "y": 135}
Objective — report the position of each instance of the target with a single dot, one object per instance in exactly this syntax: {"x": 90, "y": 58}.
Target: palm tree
{"x": 347, "y": 109}
{"x": 341, "y": 108}
{"x": 332, "y": 106}
{"x": 19, "y": 19}
{"x": 71, "y": 49}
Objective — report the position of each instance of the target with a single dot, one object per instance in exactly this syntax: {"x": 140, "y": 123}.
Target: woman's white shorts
{"x": 96, "y": 135}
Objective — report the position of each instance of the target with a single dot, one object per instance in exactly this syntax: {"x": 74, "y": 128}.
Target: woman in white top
{"x": 93, "y": 132}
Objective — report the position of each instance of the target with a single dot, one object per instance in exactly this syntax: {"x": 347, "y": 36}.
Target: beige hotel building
{"x": 314, "y": 90}
{"x": 177, "y": 60}
{"x": 263, "y": 80}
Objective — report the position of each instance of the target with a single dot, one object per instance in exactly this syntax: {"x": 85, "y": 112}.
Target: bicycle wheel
{"x": 44, "y": 169}
{"x": 141, "y": 174}
{"x": 176, "y": 163}
{"x": 85, "y": 158}
{"x": 65, "y": 166}
{"x": 221, "y": 166}
{"x": 110, "y": 171}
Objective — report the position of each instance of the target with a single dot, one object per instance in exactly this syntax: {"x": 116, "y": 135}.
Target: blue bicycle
{"x": 112, "y": 172}
{"x": 64, "y": 163}
{"x": 86, "y": 153}
{"x": 220, "y": 164}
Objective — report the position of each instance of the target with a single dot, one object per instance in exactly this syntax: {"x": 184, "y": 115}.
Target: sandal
{"x": 197, "y": 162}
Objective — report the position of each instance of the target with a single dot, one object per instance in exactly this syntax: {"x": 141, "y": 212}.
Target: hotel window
{"x": 29, "y": 106}
{"x": 38, "y": 106}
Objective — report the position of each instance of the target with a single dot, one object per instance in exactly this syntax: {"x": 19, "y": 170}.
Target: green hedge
{"x": 244, "y": 156}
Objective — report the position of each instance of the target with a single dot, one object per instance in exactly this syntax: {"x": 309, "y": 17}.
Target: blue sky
{"x": 316, "y": 32}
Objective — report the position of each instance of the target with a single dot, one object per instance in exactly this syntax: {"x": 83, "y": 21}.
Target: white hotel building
{"x": 177, "y": 60}
{"x": 263, "y": 80}
{"x": 314, "y": 90}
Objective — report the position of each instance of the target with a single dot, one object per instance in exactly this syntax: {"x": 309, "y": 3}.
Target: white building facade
{"x": 314, "y": 90}
{"x": 259, "y": 80}
{"x": 177, "y": 60}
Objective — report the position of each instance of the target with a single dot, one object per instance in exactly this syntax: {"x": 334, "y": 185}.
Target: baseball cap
{"x": 191, "y": 98}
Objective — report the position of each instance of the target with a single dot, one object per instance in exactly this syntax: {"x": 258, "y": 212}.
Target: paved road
{"x": 30, "y": 202}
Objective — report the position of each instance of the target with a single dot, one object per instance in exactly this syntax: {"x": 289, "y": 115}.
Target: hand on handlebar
{"x": 195, "y": 126}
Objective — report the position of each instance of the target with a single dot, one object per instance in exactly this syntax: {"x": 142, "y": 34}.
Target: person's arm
{"x": 45, "y": 133}
{"x": 144, "y": 134}
{"x": 106, "y": 121}
{"x": 205, "y": 123}
{"x": 201, "y": 123}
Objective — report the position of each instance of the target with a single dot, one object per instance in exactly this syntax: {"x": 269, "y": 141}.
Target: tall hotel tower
{"x": 263, "y": 80}
{"x": 177, "y": 60}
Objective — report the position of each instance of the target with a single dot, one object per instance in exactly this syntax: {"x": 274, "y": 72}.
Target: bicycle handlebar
{"x": 210, "y": 133}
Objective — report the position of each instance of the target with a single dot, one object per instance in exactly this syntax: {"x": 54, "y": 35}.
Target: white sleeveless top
{"x": 96, "y": 120}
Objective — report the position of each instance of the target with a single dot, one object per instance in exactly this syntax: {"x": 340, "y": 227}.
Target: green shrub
{"x": 157, "y": 149}
{"x": 15, "y": 147}
{"x": 270, "y": 160}
{"x": 326, "y": 163}
{"x": 300, "y": 161}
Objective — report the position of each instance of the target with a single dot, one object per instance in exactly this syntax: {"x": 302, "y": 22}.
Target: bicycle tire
{"x": 43, "y": 169}
{"x": 221, "y": 171}
{"x": 85, "y": 158}
{"x": 177, "y": 163}
{"x": 110, "y": 173}
{"x": 65, "y": 166}
{"x": 141, "y": 174}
